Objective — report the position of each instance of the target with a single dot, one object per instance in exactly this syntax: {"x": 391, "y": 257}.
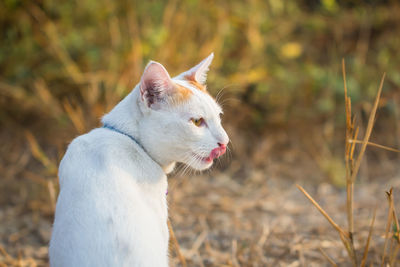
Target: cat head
{"x": 181, "y": 120}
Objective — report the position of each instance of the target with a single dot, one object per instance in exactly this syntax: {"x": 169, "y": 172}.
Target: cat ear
{"x": 199, "y": 72}
{"x": 155, "y": 84}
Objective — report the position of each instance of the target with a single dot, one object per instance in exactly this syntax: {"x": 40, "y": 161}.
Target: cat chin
{"x": 200, "y": 166}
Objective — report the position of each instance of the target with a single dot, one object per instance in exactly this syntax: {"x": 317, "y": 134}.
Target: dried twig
{"x": 39, "y": 154}
{"x": 368, "y": 132}
{"x": 235, "y": 262}
{"x": 176, "y": 244}
{"x": 375, "y": 145}
{"x": 323, "y": 212}
{"x": 329, "y": 259}
{"x": 393, "y": 254}
{"x": 364, "y": 258}
{"x": 388, "y": 224}
{"x": 349, "y": 153}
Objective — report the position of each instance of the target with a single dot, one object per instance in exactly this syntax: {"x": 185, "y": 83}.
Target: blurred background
{"x": 277, "y": 68}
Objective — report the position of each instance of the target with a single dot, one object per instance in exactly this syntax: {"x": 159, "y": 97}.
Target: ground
{"x": 232, "y": 217}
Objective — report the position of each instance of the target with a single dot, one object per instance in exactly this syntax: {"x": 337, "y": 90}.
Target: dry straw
{"x": 353, "y": 162}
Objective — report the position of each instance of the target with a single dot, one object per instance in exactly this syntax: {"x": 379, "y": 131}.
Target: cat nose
{"x": 221, "y": 149}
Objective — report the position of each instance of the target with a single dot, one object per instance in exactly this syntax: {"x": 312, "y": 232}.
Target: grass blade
{"x": 389, "y": 222}
{"x": 329, "y": 259}
{"x": 349, "y": 150}
{"x": 375, "y": 145}
{"x": 364, "y": 258}
{"x": 323, "y": 212}
{"x": 176, "y": 244}
{"x": 368, "y": 132}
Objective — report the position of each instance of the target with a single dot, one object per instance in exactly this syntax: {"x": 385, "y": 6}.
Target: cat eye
{"x": 198, "y": 122}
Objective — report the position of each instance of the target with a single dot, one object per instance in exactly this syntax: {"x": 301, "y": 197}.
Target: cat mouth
{"x": 203, "y": 159}
{"x": 215, "y": 153}
{"x": 208, "y": 159}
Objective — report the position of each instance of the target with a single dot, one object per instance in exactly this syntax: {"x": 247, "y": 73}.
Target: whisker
{"x": 223, "y": 88}
{"x": 228, "y": 101}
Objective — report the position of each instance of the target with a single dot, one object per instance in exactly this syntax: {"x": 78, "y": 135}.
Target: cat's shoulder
{"x": 102, "y": 141}
{"x": 105, "y": 151}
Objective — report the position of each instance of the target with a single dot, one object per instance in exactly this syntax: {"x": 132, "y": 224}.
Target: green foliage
{"x": 289, "y": 51}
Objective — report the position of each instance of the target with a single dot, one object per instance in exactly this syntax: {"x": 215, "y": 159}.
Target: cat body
{"x": 112, "y": 208}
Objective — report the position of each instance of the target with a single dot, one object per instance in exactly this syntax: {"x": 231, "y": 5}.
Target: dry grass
{"x": 222, "y": 219}
{"x": 353, "y": 164}
{"x": 246, "y": 212}
{"x": 237, "y": 217}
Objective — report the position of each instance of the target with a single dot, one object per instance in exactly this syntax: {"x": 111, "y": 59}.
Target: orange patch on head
{"x": 181, "y": 94}
{"x": 197, "y": 85}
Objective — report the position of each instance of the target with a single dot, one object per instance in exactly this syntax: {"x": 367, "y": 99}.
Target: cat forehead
{"x": 199, "y": 99}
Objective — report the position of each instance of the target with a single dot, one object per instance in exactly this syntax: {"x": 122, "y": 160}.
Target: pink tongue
{"x": 217, "y": 152}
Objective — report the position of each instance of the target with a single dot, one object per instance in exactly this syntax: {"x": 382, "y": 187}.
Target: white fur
{"x": 112, "y": 209}
{"x": 199, "y": 71}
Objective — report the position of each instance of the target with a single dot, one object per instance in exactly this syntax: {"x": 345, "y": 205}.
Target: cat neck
{"x": 125, "y": 117}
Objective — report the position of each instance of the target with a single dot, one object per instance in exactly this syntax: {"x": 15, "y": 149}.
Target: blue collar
{"x": 133, "y": 139}
{"x": 121, "y": 132}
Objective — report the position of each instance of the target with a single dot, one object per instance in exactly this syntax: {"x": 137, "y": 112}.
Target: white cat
{"x": 112, "y": 209}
